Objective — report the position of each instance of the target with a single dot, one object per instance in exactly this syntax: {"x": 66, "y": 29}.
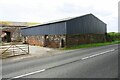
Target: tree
{"x": 113, "y": 36}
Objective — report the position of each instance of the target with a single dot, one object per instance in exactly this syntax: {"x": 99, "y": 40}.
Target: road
{"x": 98, "y": 62}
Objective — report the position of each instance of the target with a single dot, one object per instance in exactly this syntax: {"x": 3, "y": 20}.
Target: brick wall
{"x": 84, "y": 39}
{"x": 52, "y": 41}
{"x": 35, "y": 40}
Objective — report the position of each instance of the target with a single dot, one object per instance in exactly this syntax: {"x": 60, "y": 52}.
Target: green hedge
{"x": 113, "y": 36}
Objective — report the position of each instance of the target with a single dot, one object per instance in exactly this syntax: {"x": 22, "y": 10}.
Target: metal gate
{"x": 13, "y": 49}
{"x": 11, "y": 39}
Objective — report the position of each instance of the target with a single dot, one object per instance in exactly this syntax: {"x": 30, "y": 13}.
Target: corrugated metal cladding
{"x": 56, "y": 28}
{"x": 86, "y": 24}
{"x": 80, "y": 25}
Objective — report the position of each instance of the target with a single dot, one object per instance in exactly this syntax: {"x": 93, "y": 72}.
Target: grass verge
{"x": 91, "y": 45}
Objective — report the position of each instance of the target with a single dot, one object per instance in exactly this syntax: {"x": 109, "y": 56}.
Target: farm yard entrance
{"x": 13, "y": 49}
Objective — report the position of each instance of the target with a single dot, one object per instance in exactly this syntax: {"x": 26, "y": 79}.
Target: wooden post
{"x": 28, "y": 49}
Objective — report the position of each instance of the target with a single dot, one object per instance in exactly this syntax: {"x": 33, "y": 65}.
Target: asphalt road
{"x": 99, "y": 62}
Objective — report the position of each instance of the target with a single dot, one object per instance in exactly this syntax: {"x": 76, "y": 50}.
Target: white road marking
{"x": 97, "y": 54}
{"x": 45, "y": 69}
{"x": 29, "y": 73}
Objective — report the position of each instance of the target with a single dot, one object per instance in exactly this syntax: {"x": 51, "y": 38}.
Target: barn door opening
{"x": 45, "y": 40}
{"x": 7, "y": 37}
{"x": 62, "y": 43}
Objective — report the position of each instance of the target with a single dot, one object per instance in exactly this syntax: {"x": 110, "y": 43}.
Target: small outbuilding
{"x": 68, "y": 32}
{"x": 11, "y": 30}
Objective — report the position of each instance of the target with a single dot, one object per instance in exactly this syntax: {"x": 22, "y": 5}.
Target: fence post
{"x": 13, "y": 50}
{"x": 28, "y": 49}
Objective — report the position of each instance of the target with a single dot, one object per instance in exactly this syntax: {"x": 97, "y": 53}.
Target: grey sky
{"x": 47, "y": 10}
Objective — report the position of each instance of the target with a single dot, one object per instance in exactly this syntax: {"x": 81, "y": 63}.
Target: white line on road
{"x": 29, "y": 74}
{"x": 45, "y": 69}
{"x": 97, "y": 54}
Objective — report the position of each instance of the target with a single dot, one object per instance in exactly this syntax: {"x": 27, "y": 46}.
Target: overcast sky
{"x": 47, "y": 10}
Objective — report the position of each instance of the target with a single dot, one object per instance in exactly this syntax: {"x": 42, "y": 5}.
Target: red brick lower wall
{"x": 52, "y": 44}
{"x": 84, "y": 39}
{"x": 53, "y": 41}
{"x": 34, "y": 41}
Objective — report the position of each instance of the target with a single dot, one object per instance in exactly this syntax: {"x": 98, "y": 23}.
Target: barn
{"x": 67, "y": 32}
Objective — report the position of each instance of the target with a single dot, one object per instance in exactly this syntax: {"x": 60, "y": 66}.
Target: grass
{"x": 91, "y": 45}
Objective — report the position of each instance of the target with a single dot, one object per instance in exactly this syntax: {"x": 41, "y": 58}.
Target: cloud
{"x": 47, "y": 10}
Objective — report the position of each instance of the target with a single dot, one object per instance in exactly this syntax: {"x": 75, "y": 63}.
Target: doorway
{"x": 7, "y": 38}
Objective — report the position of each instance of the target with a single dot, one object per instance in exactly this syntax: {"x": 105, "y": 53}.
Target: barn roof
{"x": 61, "y": 20}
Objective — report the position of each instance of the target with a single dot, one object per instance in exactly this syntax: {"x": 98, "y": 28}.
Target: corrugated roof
{"x": 56, "y": 21}
{"x": 61, "y": 20}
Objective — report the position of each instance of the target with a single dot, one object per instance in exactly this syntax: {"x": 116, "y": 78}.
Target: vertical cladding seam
{"x": 54, "y": 30}
{"x": 66, "y": 27}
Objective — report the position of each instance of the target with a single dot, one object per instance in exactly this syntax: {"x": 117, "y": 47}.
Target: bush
{"x": 113, "y": 36}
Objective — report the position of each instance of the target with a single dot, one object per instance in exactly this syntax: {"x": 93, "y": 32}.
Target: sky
{"x": 49, "y": 10}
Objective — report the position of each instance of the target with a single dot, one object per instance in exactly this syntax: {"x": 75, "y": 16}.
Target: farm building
{"x": 68, "y": 32}
{"x": 11, "y": 30}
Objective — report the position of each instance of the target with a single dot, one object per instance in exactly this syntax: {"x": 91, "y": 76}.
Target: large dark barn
{"x": 73, "y": 31}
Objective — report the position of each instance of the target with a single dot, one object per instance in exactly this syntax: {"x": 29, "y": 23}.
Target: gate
{"x": 13, "y": 49}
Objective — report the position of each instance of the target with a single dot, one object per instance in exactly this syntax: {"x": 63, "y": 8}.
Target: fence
{"x": 13, "y": 49}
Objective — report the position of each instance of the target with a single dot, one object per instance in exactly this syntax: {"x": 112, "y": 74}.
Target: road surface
{"x": 98, "y": 62}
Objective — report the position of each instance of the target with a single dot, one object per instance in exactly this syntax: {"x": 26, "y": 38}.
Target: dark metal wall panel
{"x": 81, "y": 25}
{"x": 51, "y": 29}
{"x": 86, "y": 24}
